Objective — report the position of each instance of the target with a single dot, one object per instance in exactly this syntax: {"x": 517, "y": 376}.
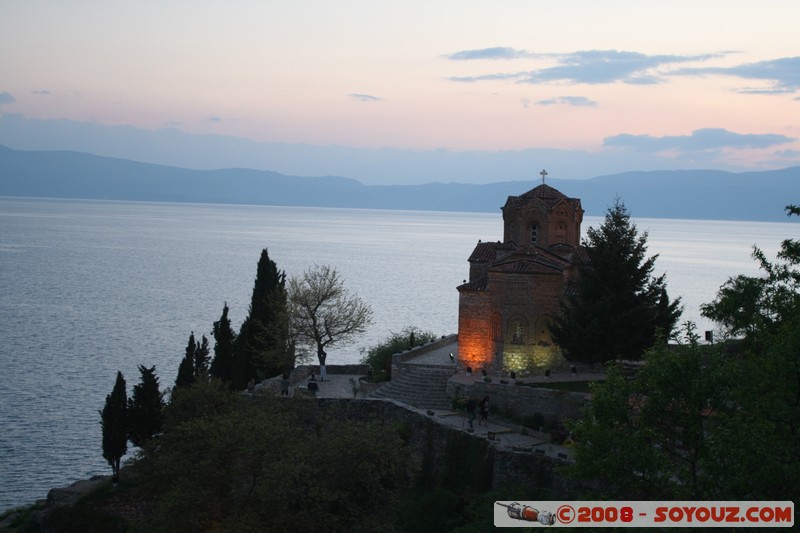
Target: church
{"x": 515, "y": 286}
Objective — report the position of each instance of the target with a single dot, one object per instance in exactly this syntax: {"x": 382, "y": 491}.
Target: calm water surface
{"x": 89, "y": 288}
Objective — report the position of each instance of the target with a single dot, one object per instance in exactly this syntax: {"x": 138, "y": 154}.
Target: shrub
{"x": 379, "y": 356}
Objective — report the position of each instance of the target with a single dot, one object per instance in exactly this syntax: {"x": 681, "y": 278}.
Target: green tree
{"x": 201, "y": 359}
{"x": 653, "y": 436}
{"x": 616, "y": 309}
{"x": 114, "y": 421}
{"x": 752, "y": 305}
{"x": 766, "y": 310}
{"x": 224, "y": 339}
{"x": 705, "y": 421}
{"x": 194, "y": 365}
{"x": 379, "y": 356}
{"x": 325, "y": 314}
{"x": 145, "y": 408}
{"x": 262, "y": 347}
{"x": 227, "y": 464}
{"x": 186, "y": 375}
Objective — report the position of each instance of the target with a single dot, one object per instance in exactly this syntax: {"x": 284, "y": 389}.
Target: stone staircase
{"x": 423, "y": 386}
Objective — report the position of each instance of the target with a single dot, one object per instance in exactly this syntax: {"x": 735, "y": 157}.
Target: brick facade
{"x": 515, "y": 286}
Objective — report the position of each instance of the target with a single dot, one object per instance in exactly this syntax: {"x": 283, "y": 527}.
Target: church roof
{"x": 527, "y": 266}
{"x": 486, "y": 252}
{"x": 531, "y": 259}
{"x": 475, "y": 285}
{"x": 544, "y": 194}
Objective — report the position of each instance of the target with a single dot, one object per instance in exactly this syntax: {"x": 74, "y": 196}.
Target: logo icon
{"x": 530, "y": 514}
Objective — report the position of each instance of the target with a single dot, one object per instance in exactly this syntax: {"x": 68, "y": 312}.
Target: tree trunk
{"x": 321, "y": 355}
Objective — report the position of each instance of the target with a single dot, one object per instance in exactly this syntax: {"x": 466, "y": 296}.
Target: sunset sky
{"x": 712, "y": 83}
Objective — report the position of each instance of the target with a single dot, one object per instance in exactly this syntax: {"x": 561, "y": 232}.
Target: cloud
{"x": 591, "y": 67}
{"x": 6, "y": 98}
{"x": 365, "y": 97}
{"x": 783, "y": 73}
{"x": 569, "y": 100}
{"x": 608, "y": 66}
{"x": 488, "y": 77}
{"x": 214, "y": 119}
{"x": 498, "y": 52}
{"x": 699, "y": 140}
{"x": 42, "y": 92}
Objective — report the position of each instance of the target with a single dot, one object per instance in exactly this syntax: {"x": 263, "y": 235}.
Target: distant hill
{"x": 690, "y": 194}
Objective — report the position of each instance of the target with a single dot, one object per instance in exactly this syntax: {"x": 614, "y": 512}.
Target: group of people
{"x": 483, "y": 407}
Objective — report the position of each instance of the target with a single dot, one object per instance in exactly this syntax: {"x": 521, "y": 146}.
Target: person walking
{"x": 484, "y": 411}
{"x": 471, "y": 412}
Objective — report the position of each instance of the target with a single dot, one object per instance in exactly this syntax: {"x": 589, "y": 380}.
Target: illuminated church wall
{"x": 474, "y": 331}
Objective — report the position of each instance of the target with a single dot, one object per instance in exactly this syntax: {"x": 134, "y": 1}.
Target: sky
{"x": 613, "y": 85}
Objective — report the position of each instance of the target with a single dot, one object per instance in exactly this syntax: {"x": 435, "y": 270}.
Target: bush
{"x": 379, "y": 357}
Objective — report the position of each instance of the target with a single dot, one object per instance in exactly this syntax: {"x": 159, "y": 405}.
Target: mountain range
{"x": 687, "y": 194}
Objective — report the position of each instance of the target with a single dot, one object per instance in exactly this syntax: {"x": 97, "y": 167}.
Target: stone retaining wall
{"x": 425, "y": 348}
{"x": 520, "y": 402}
{"x": 300, "y": 375}
{"x": 448, "y": 457}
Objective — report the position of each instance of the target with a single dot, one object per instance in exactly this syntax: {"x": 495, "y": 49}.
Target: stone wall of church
{"x": 477, "y": 270}
{"x": 527, "y": 302}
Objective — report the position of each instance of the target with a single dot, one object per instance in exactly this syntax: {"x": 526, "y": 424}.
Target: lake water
{"x": 88, "y": 288}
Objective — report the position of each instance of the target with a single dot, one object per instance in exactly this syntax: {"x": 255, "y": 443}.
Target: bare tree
{"x": 323, "y": 313}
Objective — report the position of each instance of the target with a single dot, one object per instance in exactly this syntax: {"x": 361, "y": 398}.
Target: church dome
{"x": 544, "y": 194}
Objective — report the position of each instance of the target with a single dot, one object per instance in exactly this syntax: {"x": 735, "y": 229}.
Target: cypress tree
{"x": 224, "y": 337}
{"x": 114, "y": 421}
{"x": 261, "y": 347}
{"x": 145, "y": 408}
{"x": 186, "y": 368}
{"x": 201, "y": 359}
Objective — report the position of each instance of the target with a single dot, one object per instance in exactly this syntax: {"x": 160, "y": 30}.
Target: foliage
{"x": 699, "y": 422}
{"x": 194, "y": 365}
{"x": 145, "y": 408}
{"x": 379, "y": 356}
{"x": 324, "y": 313}
{"x": 766, "y": 310}
{"x": 204, "y": 399}
{"x": 114, "y": 421}
{"x": 749, "y": 306}
{"x": 262, "y": 348}
{"x": 648, "y": 437}
{"x": 230, "y": 464}
{"x": 201, "y": 359}
{"x": 224, "y": 341}
{"x": 422, "y": 511}
{"x": 616, "y": 309}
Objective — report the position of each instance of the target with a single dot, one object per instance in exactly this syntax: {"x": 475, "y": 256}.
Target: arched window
{"x": 534, "y": 233}
{"x": 561, "y": 232}
{"x": 542, "y": 334}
